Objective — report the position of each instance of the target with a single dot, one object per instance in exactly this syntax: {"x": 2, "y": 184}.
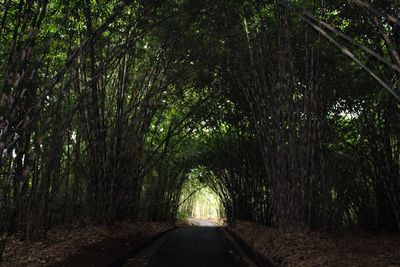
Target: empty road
{"x": 200, "y": 246}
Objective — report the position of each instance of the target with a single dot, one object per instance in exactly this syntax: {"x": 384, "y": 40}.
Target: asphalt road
{"x": 202, "y": 245}
{"x": 201, "y": 223}
{"x": 194, "y": 247}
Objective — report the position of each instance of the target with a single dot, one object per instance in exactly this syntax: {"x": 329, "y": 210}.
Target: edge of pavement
{"x": 255, "y": 256}
{"x": 256, "y": 259}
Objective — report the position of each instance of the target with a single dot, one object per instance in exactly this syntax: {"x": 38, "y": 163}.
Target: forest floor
{"x": 81, "y": 246}
{"x": 313, "y": 249}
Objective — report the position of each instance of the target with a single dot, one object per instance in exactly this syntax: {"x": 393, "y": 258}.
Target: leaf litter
{"x": 63, "y": 242}
{"x": 308, "y": 248}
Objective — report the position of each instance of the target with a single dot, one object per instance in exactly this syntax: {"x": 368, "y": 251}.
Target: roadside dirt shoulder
{"x": 309, "y": 249}
{"x": 81, "y": 246}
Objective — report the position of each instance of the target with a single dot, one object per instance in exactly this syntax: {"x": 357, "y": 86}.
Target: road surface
{"x": 203, "y": 245}
{"x": 202, "y": 223}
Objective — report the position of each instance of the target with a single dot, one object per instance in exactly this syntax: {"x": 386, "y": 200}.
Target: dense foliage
{"x": 290, "y": 108}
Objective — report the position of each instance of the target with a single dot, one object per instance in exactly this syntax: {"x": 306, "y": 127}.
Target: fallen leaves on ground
{"x": 66, "y": 241}
{"x": 356, "y": 249}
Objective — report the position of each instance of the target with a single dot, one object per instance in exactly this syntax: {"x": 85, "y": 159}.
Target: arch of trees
{"x": 292, "y": 107}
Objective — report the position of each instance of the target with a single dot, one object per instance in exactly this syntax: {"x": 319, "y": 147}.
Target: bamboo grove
{"x": 288, "y": 110}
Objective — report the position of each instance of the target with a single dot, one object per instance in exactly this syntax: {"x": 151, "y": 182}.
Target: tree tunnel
{"x": 198, "y": 200}
{"x": 114, "y": 111}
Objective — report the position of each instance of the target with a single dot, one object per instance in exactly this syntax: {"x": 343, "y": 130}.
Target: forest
{"x": 288, "y": 111}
